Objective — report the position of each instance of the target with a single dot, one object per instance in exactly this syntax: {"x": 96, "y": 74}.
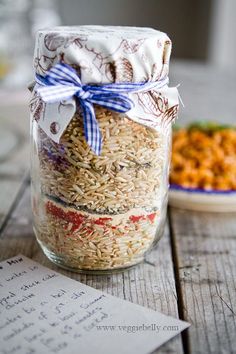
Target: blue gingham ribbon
{"x": 62, "y": 83}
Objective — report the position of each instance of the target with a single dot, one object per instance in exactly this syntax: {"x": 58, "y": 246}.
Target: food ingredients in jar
{"x": 94, "y": 241}
{"x": 102, "y": 212}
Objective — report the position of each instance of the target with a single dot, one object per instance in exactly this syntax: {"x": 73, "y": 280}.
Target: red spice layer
{"x": 73, "y": 217}
{"x": 151, "y": 217}
{"x": 102, "y": 221}
{"x": 136, "y": 218}
{"x": 78, "y": 219}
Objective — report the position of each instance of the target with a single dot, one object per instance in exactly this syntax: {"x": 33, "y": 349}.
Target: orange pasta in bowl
{"x": 204, "y": 157}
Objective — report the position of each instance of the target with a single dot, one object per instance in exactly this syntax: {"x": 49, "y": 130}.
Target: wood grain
{"x": 14, "y": 125}
{"x": 150, "y": 284}
{"x": 14, "y": 158}
{"x": 205, "y": 252}
{"x": 9, "y": 191}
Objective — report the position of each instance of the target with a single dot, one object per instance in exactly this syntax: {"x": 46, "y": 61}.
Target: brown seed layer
{"x": 130, "y": 176}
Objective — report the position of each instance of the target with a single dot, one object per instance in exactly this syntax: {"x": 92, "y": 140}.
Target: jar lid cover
{"x": 105, "y": 54}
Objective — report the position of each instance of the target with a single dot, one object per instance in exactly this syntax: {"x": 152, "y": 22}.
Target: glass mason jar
{"x": 100, "y": 212}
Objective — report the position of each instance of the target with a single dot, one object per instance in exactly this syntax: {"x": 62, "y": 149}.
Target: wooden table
{"x": 192, "y": 272}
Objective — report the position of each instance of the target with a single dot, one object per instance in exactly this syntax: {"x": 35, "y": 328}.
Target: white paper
{"x": 42, "y": 311}
{"x": 57, "y": 113}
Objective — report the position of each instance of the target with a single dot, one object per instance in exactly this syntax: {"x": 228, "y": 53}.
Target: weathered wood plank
{"x": 9, "y": 190}
{"x": 15, "y": 152}
{"x": 205, "y": 248}
{"x": 14, "y": 156}
{"x": 150, "y": 284}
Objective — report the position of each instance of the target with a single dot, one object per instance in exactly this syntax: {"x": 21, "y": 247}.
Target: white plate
{"x": 201, "y": 200}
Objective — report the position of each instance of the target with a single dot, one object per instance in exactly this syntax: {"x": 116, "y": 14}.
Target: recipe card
{"x": 42, "y": 311}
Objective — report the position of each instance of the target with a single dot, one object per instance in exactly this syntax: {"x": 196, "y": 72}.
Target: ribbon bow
{"x": 62, "y": 83}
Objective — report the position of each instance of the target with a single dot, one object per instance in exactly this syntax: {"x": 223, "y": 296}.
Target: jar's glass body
{"x": 100, "y": 213}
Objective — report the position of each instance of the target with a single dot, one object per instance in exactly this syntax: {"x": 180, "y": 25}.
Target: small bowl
{"x": 201, "y": 199}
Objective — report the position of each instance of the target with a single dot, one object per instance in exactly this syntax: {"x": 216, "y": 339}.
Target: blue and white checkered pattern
{"x": 62, "y": 83}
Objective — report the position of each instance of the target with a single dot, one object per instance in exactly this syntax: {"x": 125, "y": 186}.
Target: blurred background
{"x": 203, "y": 58}
{"x": 200, "y": 30}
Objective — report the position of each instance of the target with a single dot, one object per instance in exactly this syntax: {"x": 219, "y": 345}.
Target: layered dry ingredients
{"x": 101, "y": 212}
